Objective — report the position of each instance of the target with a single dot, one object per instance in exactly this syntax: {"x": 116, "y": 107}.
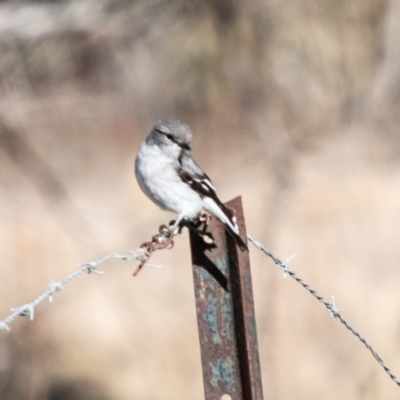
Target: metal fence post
{"x": 225, "y": 313}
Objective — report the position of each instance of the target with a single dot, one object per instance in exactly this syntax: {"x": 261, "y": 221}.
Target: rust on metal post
{"x": 225, "y": 313}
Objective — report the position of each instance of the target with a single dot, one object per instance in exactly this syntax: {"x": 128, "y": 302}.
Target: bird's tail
{"x": 225, "y": 215}
{"x": 239, "y": 241}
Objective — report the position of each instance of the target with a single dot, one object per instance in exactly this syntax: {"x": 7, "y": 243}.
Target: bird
{"x": 170, "y": 177}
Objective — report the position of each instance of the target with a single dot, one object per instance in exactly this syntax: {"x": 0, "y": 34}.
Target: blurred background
{"x": 295, "y": 105}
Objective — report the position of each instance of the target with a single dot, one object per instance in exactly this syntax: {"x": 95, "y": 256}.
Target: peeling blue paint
{"x": 211, "y": 317}
{"x": 223, "y": 371}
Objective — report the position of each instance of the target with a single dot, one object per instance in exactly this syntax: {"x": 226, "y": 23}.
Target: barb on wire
{"x": 159, "y": 241}
{"x": 330, "y": 306}
{"x": 162, "y": 240}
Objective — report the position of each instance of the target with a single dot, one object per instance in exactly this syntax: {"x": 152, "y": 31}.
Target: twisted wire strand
{"x": 143, "y": 253}
{"x": 28, "y": 309}
{"x": 330, "y": 306}
{"x": 162, "y": 240}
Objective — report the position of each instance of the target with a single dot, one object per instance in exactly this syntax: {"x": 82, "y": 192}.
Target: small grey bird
{"x": 169, "y": 176}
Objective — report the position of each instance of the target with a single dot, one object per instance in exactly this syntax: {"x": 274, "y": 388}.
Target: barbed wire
{"x": 159, "y": 241}
{"x": 330, "y": 306}
{"x": 164, "y": 240}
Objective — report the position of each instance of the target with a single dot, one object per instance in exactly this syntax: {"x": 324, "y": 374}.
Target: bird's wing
{"x": 192, "y": 174}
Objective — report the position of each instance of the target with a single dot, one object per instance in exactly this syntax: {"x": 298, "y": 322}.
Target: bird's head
{"x": 172, "y": 136}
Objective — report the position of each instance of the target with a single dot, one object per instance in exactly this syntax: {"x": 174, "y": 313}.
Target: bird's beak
{"x": 185, "y": 146}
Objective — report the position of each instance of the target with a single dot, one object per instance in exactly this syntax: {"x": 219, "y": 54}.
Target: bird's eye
{"x": 170, "y": 137}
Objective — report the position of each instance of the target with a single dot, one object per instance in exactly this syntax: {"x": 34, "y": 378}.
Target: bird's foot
{"x": 199, "y": 227}
{"x": 174, "y": 227}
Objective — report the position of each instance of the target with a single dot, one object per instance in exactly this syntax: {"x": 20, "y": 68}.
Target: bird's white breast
{"x": 157, "y": 176}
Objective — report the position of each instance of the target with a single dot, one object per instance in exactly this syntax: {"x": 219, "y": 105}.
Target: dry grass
{"x": 286, "y": 106}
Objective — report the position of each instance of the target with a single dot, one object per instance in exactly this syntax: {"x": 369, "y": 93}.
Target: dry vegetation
{"x": 294, "y": 105}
